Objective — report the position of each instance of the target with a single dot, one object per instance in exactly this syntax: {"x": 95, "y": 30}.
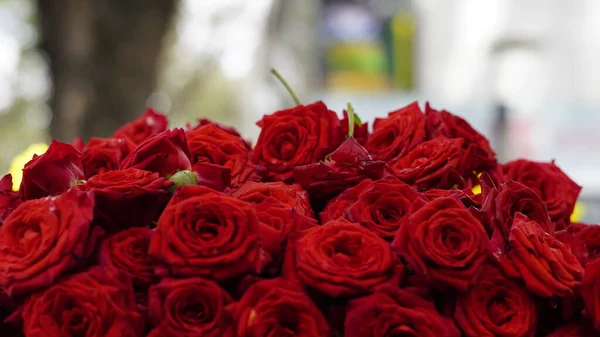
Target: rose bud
{"x": 206, "y": 233}
{"x": 291, "y": 196}
{"x": 164, "y": 153}
{"x": 45, "y": 238}
{"x": 277, "y": 308}
{"x": 443, "y": 243}
{"x": 189, "y": 307}
{"x": 149, "y": 124}
{"x": 341, "y": 259}
{"x": 214, "y": 144}
{"x": 391, "y": 311}
{"x": 52, "y": 173}
{"x": 128, "y": 198}
{"x": 93, "y": 303}
{"x": 9, "y": 200}
{"x": 105, "y": 154}
{"x": 496, "y": 306}
{"x": 558, "y": 192}
{"x": 394, "y": 136}
{"x": 295, "y": 137}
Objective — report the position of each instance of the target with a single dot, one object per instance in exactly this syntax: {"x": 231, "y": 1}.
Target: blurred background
{"x": 525, "y": 73}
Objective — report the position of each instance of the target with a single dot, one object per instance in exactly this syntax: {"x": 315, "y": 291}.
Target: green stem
{"x": 351, "y": 118}
{"x": 286, "y": 85}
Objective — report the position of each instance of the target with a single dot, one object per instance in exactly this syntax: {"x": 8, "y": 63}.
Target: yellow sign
{"x": 16, "y": 167}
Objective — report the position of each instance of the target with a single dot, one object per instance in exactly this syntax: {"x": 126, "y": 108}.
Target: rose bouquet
{"x": 322, "y": 228}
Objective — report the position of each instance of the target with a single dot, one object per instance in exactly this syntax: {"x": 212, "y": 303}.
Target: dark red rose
{"x": 346, "y": 167}
{"x": 361, "y": 129}
{"x": 147, "y": 125}
{"x": 391, "y": 311}
{"x": 104, "y": 154}
{"x": 443, "y": 243}
{"x": 548, "y": 267}
{"x": 445, "y": 124}
{"x": 555, "y": 188}
{"x": 52, "y": 173}
{"x": 189, "y": 307}
{"x": 45, "y": 238}
{"x": 128, "y": 198}
{"x": 575, "y": 245}
{"x": 206, "y": 233}
{"x": 341, "y": 259}
{"x": 336, "y": 207}
{"x": 578, "y": 328}
{"x": 277, "y": 308}
{"x": 589, "y": 235}
{"x": 496, "y": 306}
{"x": 295, "y": 137}
{"x": 501, "y": 204}
{"x": 292, "y": 196}
{"x": 214, "y": 144}
{"x": 437, "y": 163}
{"x": 590, "y": 292}
{"x": 92, "y": 304}
{"x": 381, "y": 207}
{"x": 9, "y": 200}
{"x": 164, "y": 153}
{"x": 394, "y": 136}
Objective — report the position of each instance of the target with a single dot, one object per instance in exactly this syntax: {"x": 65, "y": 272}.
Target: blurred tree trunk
{"x": 103, "y": 58}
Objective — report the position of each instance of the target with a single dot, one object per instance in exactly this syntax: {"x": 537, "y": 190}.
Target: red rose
{"x": 336, "y": 207}
{"x": 496, "y": 306}
{"x": 547, "y": 267}
{"x": 188, "y": 307}
{"x": 104, "y": 154}
{"x": 149, "y": 124}
{"x": 91, "y": 304}
{"x": 361, "y": 130}
{"x": 164, "y": 153}
{"x": 555, "y": 188}
{"x": 578, "y": 328}
{"x": 52, "y": 173}
{"x": 444, "y": 124}
{"x": 437, "y": 163}
{"x": 78, "y": 144}
{"x": 391, "y": 311}
{"x": 590, "y": 292}
{"x": 381, "y": 207}
{"x": 394, "y": 136}
{"x": 443, "y": 243}
{"x": 346, "y": 167}
{"x": 214, "y": 176}
{"x": 465, "y": 196}
{"x": 128, "y": 198}
{"x": 45, "y": 238}
{"x": 277, "y": 308}
{"x": 341, "y": 259}
{"x": 214, "y": 144}
{"x": 9, "y": 200}
{"x": 292, "y": 196}
{"x": 206, "y": 233}
{"x": 295, "y": 137}
{"x": 590, "y": 236}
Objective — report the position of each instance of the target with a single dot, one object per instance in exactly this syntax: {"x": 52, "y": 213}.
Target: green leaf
{"x": 286, "y": 85}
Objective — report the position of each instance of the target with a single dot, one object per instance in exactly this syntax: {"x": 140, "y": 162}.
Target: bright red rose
{"x": 277, "y": 308}
{"x": 92, "y": 304}
{"x": 496, "y": 306}
{"x": 578, "y": 328}
{"x": 391, "y": 311}
{"x": 52, "y": 173}
{"x": 437, "y": 163}
{"x": 214, "y": 144}
{"x": 445, "y": 124}
{"x": 336, "y": 207}
{"x": 128, "y": 198}
{"x": 292, "y": 196}
{"x": 104, "y": 154}
{"x": 555, "y": 188}
{"x": 188, "y": 308}
{"x": 147, "y": 125}
{"x": 45, "y": 238}
{"x": 164, "y": 153}
{"x": 9, "y": 200}
{"x": 341, "y": 259}
{"x": 590, "y": 292}
{"x": 443, "y": 243}
{"x": 295, "y": 137}
{"x": 206, "y": 233}
{"x": 548, "y": 267}
{"x": 382, "y": 205}
{"x": 394, "y": 136}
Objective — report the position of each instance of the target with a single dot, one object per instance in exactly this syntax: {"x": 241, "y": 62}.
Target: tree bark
{"x": 103, "y": 59}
